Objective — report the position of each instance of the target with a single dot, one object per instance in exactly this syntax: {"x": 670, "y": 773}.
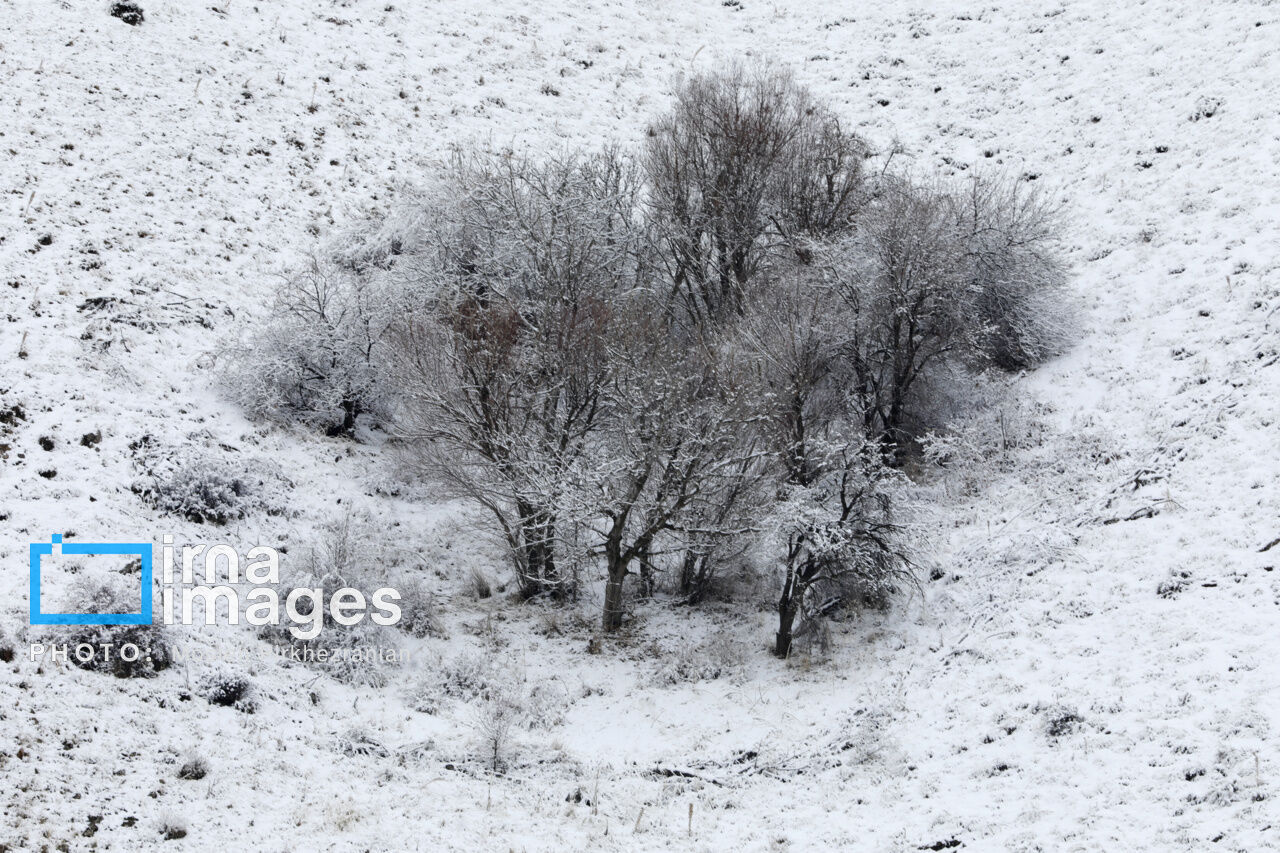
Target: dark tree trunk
{"x": 788, "y": 607}
{"x": 793, "y": 590}
{"x": 350, "y": 411}
{"x": 688, "y": 573}
{"x": 538, "y": 572}
{"x": 617, "y": 566}
{"x": 612, "y": 620}
{"x": 648, "y": 578}
{"x": 694, "y": 577}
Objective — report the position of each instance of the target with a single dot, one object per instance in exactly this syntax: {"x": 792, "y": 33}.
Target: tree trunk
{"x": 788, "y": 607}
{"x": 612, "y": 620}
{"x": 612, "y": 617}
{"x": 537, "y": 553}
{"x": 688, "y": 573}
{"x": 786, "y": 621}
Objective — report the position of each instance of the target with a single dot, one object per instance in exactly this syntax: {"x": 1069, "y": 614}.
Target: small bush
{"x": 173, "y": 828}
{"x": 130, "y": 13}
{"x": 113, "y": 595}
{"x": 465, "y": 678}
{"x": 229, "y": 690}
{"x": 418, "y": 609}
{"x": 358, "y": 741}
{"x": 194, "y": 768}
{"x": 316, "y": 361}
{"x": 471, "y": 680}
{"x": 713, "y": 659}
{"x": 478, "y": 585}
{"x": 348, "y": 554}
{"x": 208, "y": 489}
{"x": 496, "y": 717}
{"x": 1060, "y": 721}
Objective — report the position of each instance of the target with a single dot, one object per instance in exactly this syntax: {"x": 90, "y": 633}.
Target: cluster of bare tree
{"x": 734, "y": 337}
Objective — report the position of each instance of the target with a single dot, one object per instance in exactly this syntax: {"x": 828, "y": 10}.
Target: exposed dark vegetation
{"x": 130, "y": 13}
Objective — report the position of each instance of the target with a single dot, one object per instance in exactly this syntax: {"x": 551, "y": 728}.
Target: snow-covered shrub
{"x": 346, "y": 553}
{"x": 104, "y": 648}
{"x": 194, "y": 768}
{"x": 317, "y": 359}
{"x": 477, "y": 585}
{"x": 714, "y": 658}
{"x": 229, "y": 690}
{"x": 418, "y": 615}
{"x": 173, "y": 827}
{"x": 1011, "y": 233}
{"x": 465, "y": 678}
{"x": 495, "y": 718}
{"x": 469, "y": 678}
{"x": 359, "y": 655}
{"x": 205, "y": 487}
{"x": 130, "y": 13}
{"x": 358, "y": 740}
{"x": 1059, "y": 720}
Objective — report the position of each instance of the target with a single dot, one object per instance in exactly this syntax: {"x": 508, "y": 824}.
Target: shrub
{"x": 418, "y": 616}
{"x": 316, "y": 360}
{"x": 347, "y": 554}
{"x": 712, "y": 659}
{"x": 194, "y": 768}
{"x": 229, "y": 690}
{"x": 478, "y": 585}
{"x": 130, "y": 13}
{"x": 113, "y": 595}
{"x": 205, "y": 488}
{"x": 495, "y": 719}
{"x": 1011, "y": 237}
{"x": 359, "y": 741}
{"x": 471, "y": 679}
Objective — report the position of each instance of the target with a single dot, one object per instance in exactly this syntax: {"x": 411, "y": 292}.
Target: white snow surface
{"x": 181, "y": 166}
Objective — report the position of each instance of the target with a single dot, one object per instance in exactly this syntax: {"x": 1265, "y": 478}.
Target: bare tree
{"x": 317, "y": 359}
{"x": 907, "y": 300}
{"x": 679, "y": 435}
{"x": 746, "y": 164}
{"x": 832, "y": 521}
{"x": 1011, "y": 233}
{"x": 838, "y": 528}
{"x": 503, "y": 367}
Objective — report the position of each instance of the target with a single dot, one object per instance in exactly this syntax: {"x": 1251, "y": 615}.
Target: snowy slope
{"x": 1040, "y": 695}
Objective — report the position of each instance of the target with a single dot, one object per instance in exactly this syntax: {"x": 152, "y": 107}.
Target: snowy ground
{"x": 1040, "y": 695}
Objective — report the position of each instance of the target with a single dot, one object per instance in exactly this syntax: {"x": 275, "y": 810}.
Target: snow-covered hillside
{"x": 1089, "y": 665}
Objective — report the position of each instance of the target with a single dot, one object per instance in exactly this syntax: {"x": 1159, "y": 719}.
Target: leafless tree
{"x": 745, "y": 165}
{"x": 317, "y": 358}
{"x": 503, "y": 366}
{"x": 907, "y": 300}
{"x": 832, "y": 520}
{"x": 680, "y": 435}
{"x": 1011, "y": 232}
{"x": 839, "y": 528}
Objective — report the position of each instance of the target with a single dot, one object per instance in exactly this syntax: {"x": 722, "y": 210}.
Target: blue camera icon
{"x": 142, "y": 550}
